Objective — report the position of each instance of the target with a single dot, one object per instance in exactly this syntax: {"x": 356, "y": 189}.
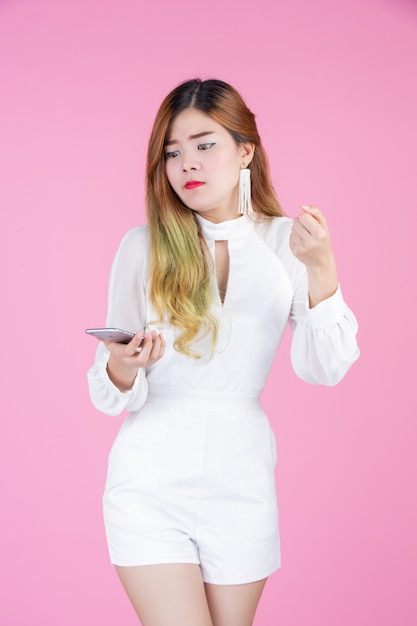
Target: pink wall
{"x": 334, "y": 87}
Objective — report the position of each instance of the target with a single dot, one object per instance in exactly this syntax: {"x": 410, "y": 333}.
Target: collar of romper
{"x": 230, "y": 229}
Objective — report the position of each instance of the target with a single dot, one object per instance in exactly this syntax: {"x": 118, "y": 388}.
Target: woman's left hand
{"x": 310, "y": 238}
{"x": 310, "y": 243}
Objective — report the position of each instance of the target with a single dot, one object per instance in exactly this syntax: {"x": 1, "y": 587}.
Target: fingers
{"x": 138, "y": 342}
{"x": 152, "y": 348}
{"x": 143, "y": 349}
{"x": 306, "y": 227}
{"x": 311, "y": 222}
{"x": 310, "y": 239}
{"x": 315, "y": 212}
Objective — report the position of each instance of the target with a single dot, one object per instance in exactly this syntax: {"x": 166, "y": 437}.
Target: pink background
{"x": 334, "y": 87}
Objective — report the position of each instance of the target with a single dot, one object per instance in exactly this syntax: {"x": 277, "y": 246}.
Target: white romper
{"x": 191, "y": 472}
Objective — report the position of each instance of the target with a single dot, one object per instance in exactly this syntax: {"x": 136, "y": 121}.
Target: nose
{"x": 189, "y": 164}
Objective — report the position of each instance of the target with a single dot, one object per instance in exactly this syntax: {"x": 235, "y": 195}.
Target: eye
{"x": 205, "y": 146}
{"x": 172, "y": 155}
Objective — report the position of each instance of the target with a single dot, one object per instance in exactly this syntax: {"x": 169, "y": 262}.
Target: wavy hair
{"x": 180, "y": 267}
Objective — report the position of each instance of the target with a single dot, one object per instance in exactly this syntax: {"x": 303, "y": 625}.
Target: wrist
{"x": 322, "y": 283}
{"x": 122, "y": 377}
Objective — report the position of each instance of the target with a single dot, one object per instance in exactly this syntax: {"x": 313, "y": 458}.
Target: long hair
{"x": 180, "y": 269}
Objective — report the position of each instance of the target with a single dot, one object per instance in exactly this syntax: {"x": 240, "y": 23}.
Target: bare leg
{"x": 234, "y": 605}
{"x": 167, "y": 595}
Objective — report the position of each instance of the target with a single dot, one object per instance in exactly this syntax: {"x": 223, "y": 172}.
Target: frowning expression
{"x": 203, "y": 162}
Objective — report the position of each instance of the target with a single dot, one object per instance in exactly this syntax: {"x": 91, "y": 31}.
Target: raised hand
{"x": 310, "y": 243}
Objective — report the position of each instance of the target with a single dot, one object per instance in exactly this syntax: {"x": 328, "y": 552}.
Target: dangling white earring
{"x": 245, "y": 199}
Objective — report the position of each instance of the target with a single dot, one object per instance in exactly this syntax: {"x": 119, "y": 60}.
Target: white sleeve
{"x": 324, "y": 342}
{"x": 126, "y": 310}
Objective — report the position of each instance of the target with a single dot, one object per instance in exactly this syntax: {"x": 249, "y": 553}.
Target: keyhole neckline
{"x": 230, "y": 229}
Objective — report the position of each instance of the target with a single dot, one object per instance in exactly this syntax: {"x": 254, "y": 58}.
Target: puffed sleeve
{"x": 324, "y": 342}
{"x": 126, "y": 310}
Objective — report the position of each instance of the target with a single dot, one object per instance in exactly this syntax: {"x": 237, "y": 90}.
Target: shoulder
{"x": 136, "y": 236}
{"x": 275, "y": 232}
{"x": 133, "y": 250}
{"x": 135, "y": 242}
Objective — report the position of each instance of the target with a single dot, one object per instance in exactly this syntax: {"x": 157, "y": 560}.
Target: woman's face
{"x": 203, "y": 163}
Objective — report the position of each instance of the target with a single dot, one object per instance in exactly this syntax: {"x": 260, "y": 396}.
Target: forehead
{"x": 191, "y": 122}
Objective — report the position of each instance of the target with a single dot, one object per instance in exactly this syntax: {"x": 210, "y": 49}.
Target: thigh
{"x": 171, "y": 594}
{"x": 234, "y": 605}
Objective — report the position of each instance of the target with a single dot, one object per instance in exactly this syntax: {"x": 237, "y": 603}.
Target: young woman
{"x": 189, "y": 505}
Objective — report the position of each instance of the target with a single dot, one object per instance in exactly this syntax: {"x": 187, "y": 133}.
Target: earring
{"x": 245, "y": 199}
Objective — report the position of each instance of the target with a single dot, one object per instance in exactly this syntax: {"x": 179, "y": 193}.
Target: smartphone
{"x": 111, "y": 334}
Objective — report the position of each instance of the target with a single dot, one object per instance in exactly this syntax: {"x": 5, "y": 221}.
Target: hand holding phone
{"x": 124, "y": 361}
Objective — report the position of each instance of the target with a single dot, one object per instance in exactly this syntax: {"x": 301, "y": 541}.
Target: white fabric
{"x": 192, "y": 481}
{"x": 191, "y": 472}
{"x": 267, "y": 287}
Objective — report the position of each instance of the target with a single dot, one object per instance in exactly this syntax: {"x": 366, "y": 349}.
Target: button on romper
{"x": 191, "y": 472}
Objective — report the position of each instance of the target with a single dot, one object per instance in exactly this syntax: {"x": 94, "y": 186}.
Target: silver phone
{"x": 111, "y": 334}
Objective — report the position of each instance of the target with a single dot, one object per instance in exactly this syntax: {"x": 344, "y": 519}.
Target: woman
{"x": 189, "y": 505}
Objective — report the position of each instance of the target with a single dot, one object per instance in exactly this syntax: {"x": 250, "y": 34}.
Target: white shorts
{"x": 191, "y": 480}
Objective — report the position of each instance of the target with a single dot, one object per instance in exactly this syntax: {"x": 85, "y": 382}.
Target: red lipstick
{"x": 192, "y": 184}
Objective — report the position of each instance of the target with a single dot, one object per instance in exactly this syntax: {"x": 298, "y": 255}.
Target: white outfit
{"x": 191, "y": 473}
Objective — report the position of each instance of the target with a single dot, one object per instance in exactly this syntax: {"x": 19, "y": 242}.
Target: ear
{"x": 247, "y": 150}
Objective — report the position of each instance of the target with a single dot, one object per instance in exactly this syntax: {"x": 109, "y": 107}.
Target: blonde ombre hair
{"x": 180, "y": 268}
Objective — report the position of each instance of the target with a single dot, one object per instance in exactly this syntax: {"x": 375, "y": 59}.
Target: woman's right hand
{"x": 126, "y": 359}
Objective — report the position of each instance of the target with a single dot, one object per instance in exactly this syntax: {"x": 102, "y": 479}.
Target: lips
{"x": 193, "y": 184}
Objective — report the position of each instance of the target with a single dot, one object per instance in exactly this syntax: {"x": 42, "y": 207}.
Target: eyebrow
{"x": 196, "y": 136}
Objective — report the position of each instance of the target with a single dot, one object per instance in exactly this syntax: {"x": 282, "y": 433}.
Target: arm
{"x": 324, "y": 329}
{"x": 117, "y": 380}
{"x": 310, "y": 244}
